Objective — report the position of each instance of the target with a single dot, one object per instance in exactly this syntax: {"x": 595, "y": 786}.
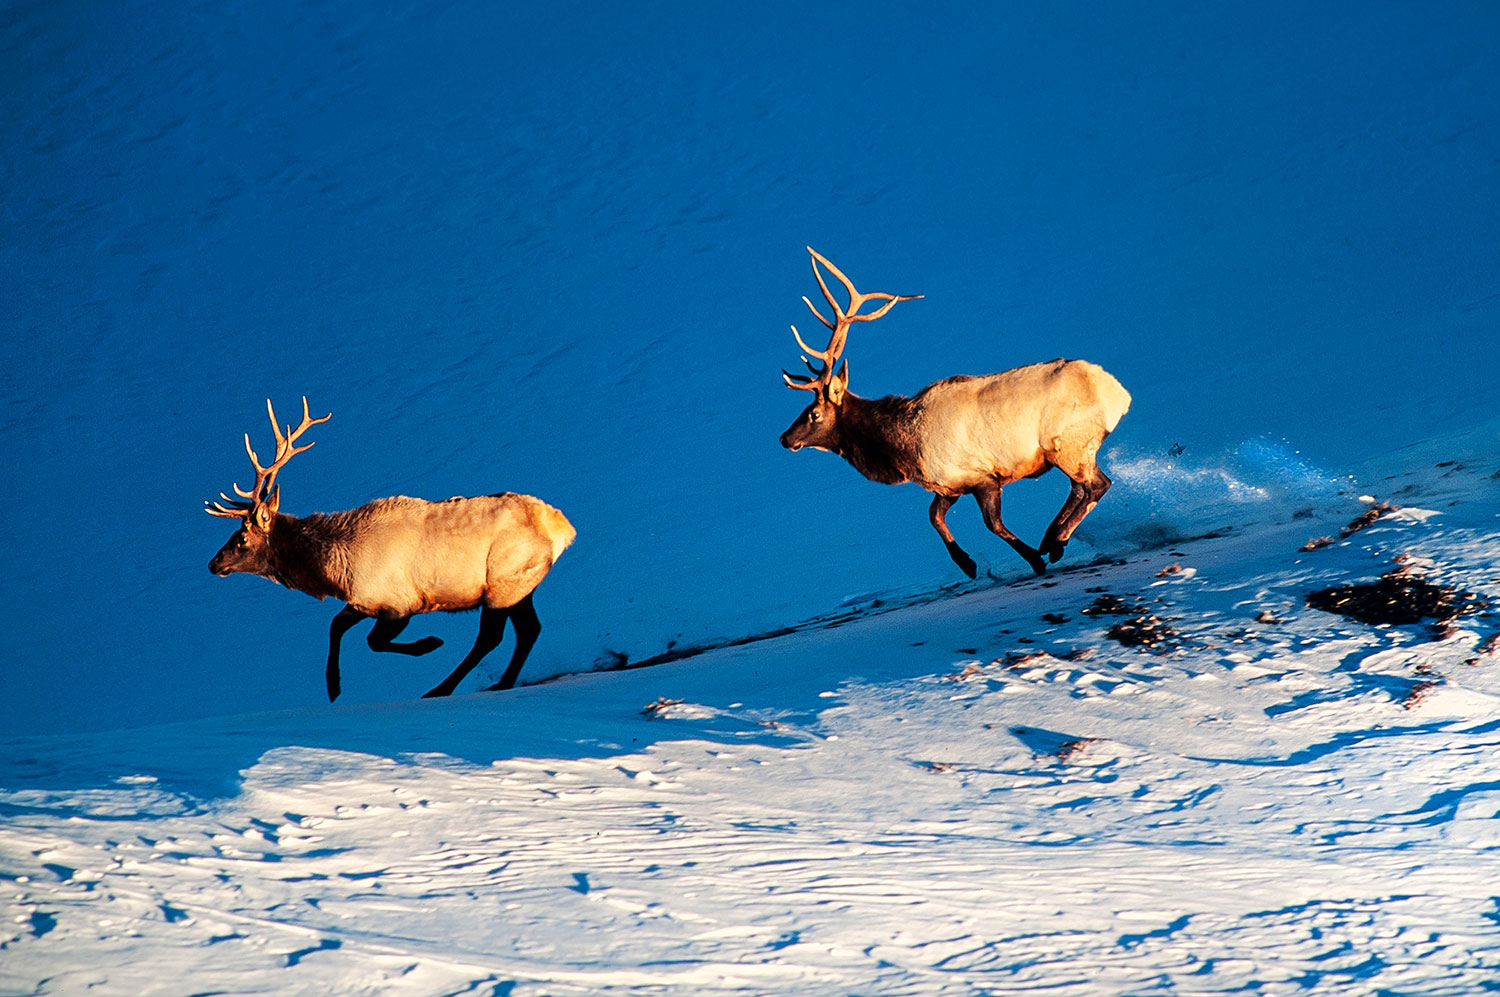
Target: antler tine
{"x": 831, "y": 354}
{"x": 856, "y": 301}
{"x": 890, "y": 302}
{"x": 233, "y": 511}
{"x": 814, "y": 309}
{"x": 848, "y": 286}
{"x": 261, "y": 473}
{"x": 265, "y": 475}
{"x": 285, "y": 444}
{"x": 820, "y": 354}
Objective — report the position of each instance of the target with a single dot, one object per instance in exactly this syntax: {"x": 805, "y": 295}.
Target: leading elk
{"x": 961, "y": 435}
{"x": 396, "y": 557}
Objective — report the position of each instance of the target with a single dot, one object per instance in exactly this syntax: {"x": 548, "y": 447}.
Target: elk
{"x": 396, "y": 557}
{"x": 961, "y": 435}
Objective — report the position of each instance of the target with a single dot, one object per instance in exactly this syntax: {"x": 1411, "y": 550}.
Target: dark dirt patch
{"x": 657, "y": 708}
{"x": 1111, "y": 605}
{"x": 1148, "y": 630}
{"x": 1417, "y": 694}
{"x": 1363, "y": 521}
{"x": 1069, "y": 750}
{"x": 970, "y": 671}
{"x": 1400, "y": 596}
{"x": 1367, "y": 518}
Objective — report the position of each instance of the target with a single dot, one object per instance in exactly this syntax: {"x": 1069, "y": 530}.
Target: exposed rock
{"x": 1111, "y": 605}
{"x": 1400, "y": 596}
{"x": 1149, "y": 630}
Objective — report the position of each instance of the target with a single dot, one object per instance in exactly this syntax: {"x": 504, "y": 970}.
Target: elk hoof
{"x": 437, "y": 693}
{"x": 426, "y": 645}
{"x": 333, "y": 693}
{"x": 966, "y": 565}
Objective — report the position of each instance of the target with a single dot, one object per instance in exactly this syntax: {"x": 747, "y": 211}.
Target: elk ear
{"x": 838, "y": 384}
{"x": 265, "y": 512}
{"x": 273, "y": 501}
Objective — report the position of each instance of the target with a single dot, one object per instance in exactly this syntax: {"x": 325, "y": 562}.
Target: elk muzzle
{"x": 219, "y": 564}
{"x": 236, "y": 555}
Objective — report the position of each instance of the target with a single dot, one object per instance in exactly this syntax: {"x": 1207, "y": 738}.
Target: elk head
{"x": 248, "y": 550}
{"x": 817, "y": 426}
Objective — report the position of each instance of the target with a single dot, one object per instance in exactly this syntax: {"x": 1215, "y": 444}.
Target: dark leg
{"x": 384, "y": 632}
{"x": 938, "y": 513}
{"x": 346, "y": 618}
{"x": 1093, "y": 491}
{"x": 1051, "y": 547}
{"x": 989, "y": 504}
{"x": 491, "y": 629}
{"x": 528, "y": 629}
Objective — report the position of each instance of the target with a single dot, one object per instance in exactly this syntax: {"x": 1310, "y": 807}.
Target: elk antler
{"x": 845, "y": 317}
{"x": 265, "y": 477}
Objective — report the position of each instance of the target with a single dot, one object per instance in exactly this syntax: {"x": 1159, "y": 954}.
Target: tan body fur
{"x": 402, "y": 556}
{"x": 1015, "y": 424}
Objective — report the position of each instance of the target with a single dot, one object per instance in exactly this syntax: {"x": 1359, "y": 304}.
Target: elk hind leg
{"x": 491, "y": 630}
{"x": 528, "y": 628}
{"x": 989, "y": 504}
{"x": 346, "y": 618}
{"x": 938, "y": 513}
{"x": 383, "y": 634}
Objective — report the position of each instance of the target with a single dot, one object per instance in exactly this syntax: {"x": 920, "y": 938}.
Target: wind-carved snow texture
{"x": 981, "y": 794}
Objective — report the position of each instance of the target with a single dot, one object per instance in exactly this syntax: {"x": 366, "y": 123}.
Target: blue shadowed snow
{"x": 556, "y": 250}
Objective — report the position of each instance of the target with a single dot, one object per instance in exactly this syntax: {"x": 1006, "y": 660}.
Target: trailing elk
{"x": 961, "y": 435}
{"x": 396, "y": 557}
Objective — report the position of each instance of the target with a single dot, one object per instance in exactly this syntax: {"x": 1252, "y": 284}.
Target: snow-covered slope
{"x": 983, "y": 793}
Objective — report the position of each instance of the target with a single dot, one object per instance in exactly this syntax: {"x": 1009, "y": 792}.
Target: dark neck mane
{"x": 878, "y": 436}
{"x": 310, "y": 554}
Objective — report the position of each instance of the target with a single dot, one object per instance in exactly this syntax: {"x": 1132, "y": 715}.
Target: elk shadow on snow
{"x": 178, "y": 770}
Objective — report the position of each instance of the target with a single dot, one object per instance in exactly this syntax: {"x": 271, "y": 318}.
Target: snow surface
{"x": 965, "y": 796}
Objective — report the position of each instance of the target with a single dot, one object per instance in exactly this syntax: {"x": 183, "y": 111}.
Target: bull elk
{"x": 396, "y": 557}
{"x": 961, "y": 435}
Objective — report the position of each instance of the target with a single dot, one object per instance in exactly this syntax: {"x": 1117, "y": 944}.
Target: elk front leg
{"x": 938, "y": 513}
{"x": 528, "y": 629}
{"x": 383, "y": 634}
{"x": 988, "y": 498}
{"x": 491, "y": 629}
{"x": 346, "y": 618}
{"x": 1091, "y": 489}
{"x": 1051, "y": 547}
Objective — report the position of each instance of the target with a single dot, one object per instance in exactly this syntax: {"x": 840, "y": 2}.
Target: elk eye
{"x": 814, "y": 416}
